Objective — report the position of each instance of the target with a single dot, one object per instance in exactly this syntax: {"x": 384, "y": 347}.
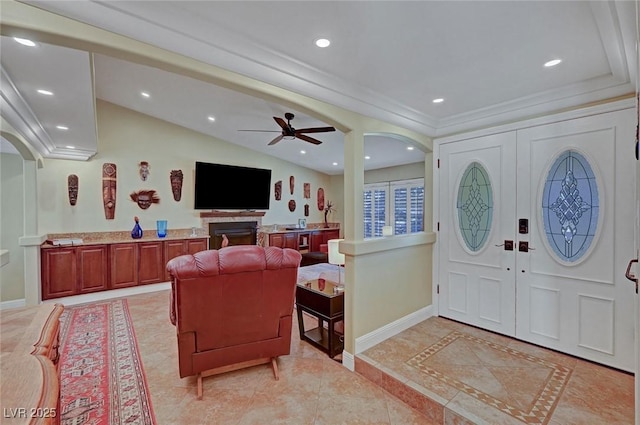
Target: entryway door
{"x": 536, "y": 229}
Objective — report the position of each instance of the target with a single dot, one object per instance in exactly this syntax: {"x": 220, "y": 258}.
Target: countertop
{"x": 98, "y": 238}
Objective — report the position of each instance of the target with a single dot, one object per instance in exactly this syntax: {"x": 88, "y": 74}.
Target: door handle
{"x": 508, "y": 245}
{"x": 523, "y": 246}
{"x": 628, "y": 274}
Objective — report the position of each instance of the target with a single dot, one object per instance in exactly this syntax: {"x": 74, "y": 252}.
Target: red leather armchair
{"x": 232, "y": 308}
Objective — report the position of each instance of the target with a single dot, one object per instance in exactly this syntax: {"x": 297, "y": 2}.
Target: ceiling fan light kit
{"x": 288, "y": 132}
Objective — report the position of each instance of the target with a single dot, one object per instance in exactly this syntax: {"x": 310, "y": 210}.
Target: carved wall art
{"x": 176, "y": 184}
{"x": 292, "y": 205}
{"x": 72, "y": 188}
{"x": 278, "y": 190}
{"x": 144, "y": 198}
{"x": 109, "y": 189}
{"x": 292, "y": 182}
{"x": 320, "y": 199}
{"x": 306, "y": 210}
{"x": 307, "y": 190}
{"x": 144, "y": 170}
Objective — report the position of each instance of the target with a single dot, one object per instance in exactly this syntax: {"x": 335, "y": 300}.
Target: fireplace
{"x": 238, "y": 233}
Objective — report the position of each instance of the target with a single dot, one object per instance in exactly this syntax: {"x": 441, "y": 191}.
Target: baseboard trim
{"x": 6, "y": 305}
{"x": 348, "y": 360}
{"x": 375, "y": 337}
{"x": 107, "y": 295}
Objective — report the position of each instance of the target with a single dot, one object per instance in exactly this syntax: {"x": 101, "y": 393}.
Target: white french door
{"x": 567, "y": 191}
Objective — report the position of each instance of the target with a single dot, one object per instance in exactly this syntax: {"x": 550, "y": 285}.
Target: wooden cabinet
{"x": 319, "y": 237}
{"x": 93, "y": 266}
{"x": 124, "y": 265}
{"x": 74, "y": 270}
{"x": 59, "y": 272}
{"x": 284, "y": 240}
{"x": 150, "y": 263}
{"x": 196, "y": 245}
{"x": 173, "y": 249}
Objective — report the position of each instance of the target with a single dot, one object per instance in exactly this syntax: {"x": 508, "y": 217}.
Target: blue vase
{"x": 136, "y": 233}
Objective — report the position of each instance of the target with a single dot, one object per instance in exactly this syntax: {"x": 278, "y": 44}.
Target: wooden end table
{"x": 322, "y": 299}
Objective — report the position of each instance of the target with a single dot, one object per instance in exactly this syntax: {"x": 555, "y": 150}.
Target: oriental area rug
{"x": 102, "y": 380}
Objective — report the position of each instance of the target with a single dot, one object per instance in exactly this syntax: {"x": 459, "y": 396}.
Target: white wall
{"x": 11, "y": 226}
{"x": 125, "y": 138}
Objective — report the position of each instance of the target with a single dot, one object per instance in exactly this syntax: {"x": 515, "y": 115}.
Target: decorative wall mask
{"x": 72, "y": 188}
{"x": 144, "y": 170}
{"x": 307, "y": 190}
{"x": 278, "y": 190}
{"x": 109, "y": 189}
{"x": 176, "y": 184}
{"x": 292, "y": 182}
{"x": 144, "y": 198}
{"x": 306, "y": 210}
{"x": 292, "y": 205}
{"x": 320, "y": 199}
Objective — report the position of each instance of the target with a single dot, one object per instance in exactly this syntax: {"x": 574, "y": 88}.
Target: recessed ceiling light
{"x": 367, "y": 157}
{"x": 70, "y": 147}
{"x": 303, "y": 152}
{"x": 24, "y": 41}
{"x": 410, "y": 148}
{"x": 553, "y": 62}
{"x": 335, "y": 163}
{"x": 322, "y": 42}
{"x": 211, "y": 118}
{"x": 45, "y": 92}
{"x": 62, "y": 127}
{"x": 145, "y": 94}
{"x": 438, "y": 100}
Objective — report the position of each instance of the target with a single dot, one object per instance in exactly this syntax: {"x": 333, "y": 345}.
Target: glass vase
{"x": 136, "y": 233}
{"x": 161, "y": 227}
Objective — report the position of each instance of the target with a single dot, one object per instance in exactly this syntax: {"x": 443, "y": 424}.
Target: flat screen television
{"x": 231, "y": 187}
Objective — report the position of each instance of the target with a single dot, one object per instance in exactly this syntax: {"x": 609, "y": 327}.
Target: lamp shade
{"x": 335, "y": 256}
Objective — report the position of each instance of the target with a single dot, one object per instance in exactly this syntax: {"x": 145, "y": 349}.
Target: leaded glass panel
{"x": 475, "y": 206}
{"x": 570, "y": 206}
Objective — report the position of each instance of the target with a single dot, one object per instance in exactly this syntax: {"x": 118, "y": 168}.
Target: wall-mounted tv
{"x": 231, "y": 187}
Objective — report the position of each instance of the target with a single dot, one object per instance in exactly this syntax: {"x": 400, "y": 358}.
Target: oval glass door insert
{"x": 475, "y": 206}
{"x": 570, "y": 206}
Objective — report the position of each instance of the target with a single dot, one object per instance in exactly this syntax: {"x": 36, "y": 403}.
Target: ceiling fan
{"x": 290, "y": 133}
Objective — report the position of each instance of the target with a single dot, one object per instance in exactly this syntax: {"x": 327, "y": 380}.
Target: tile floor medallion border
{"x": 543, "y": 404}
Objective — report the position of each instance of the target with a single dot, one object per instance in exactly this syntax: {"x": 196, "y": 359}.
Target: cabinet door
{"x": 59, "y": 272}
{"x": 196, "y": 245}
{"x": 151, "y": 265}
{"x": 92, "y": 268}
{"x": 291, "y": 240}
{"x": 330, "y": 234}
{"x": 124, "y": 265}
{"x": 315, "y": 239}
{"x": 172, "y": 249}
{"x": 276, "y": 239}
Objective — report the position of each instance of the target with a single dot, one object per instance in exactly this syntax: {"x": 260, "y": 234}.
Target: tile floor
{"x": 312, "y": 390}
{"x": 458, "y": 374}
{"x": 448, "y": 372}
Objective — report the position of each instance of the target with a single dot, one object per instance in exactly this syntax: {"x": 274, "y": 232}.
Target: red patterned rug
{"x": 101, "y": 376}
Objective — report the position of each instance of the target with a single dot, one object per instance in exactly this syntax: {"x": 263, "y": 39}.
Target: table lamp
{"x": 335, "y": 256}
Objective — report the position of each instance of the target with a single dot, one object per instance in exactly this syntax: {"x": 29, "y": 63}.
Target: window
{"x": 398, "y": 203}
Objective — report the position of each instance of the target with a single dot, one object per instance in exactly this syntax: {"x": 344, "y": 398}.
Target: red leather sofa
{"x": 232, "y": 308}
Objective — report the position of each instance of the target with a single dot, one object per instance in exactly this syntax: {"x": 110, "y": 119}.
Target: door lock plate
{"x": 508, "y": 245}
{"x": 523, "y": 246}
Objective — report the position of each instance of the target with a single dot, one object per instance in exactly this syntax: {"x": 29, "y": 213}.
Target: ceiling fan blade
{"x": 264, "y": 131}
{"x": 308, "y": 139}
{"x": 315, "y": 130}
{"x": 276, "y": 140}
{"x": 281, "y": 123}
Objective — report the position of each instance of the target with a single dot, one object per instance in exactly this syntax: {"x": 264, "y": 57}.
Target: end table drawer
{"x": 326, "y": 305}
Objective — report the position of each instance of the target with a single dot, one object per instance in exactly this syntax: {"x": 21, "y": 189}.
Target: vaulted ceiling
{"x": 388, "y": 60}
